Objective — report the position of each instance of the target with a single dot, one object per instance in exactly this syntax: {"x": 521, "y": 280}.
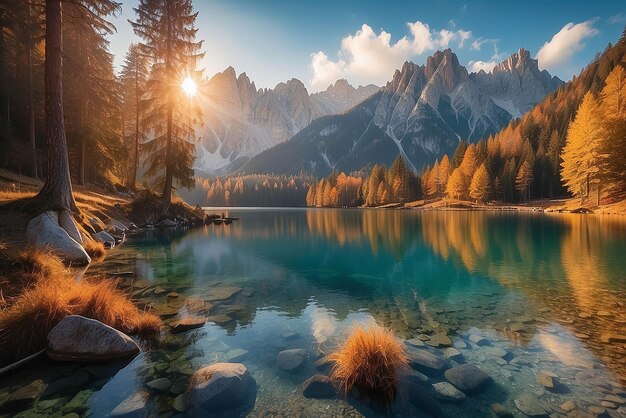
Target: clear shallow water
{"x": 543, "y": 288}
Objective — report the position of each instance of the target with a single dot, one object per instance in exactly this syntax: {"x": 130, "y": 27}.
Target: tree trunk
{"x": 80, "y": 178}
{"x": 31, "y": 100}
{"x": 57, "y": 191}
{"x": 81, "y": 146}
{"x": 136, "y": 160}
{"x": 167, "y": 189}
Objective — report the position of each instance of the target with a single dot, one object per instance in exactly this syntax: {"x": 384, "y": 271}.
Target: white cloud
{"x": 618, "y": 18}
{"x": 557, "y": 52}
{"x": 367, "y": 57}
{"x": 476, "y": 66}
{"x": 478, "y": 43}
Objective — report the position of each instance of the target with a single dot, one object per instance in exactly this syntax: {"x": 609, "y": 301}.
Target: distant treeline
{"x": 256, "y": 190}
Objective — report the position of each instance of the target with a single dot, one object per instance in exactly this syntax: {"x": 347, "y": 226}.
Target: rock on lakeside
{"x": 77, "y": 338}
{"x": 45, "y": 232}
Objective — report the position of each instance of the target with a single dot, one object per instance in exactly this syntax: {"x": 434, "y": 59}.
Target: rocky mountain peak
{"x": 518, "y": 62}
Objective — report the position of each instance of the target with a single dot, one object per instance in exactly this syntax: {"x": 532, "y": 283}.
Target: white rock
{"x": 45, "y": 233}
{"x": 77, "y": 338}
{"x": 66, "y": 221}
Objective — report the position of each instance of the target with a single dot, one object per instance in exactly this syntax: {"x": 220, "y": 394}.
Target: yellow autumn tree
{"x": 582, "y": 159}
{"x": 613, "y": 111}
{"x": 479, "y": 188}
{"x": 455, "y": 188}
{"x": 443, "y": 173}
{"x": 470, "y": 162}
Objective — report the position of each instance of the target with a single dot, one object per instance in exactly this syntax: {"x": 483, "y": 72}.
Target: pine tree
{"x": 459, "y": 153}
{"x": 455, "y": 188}
{"x": 480, "y": 186}
{"x": 91, "y": 91}
{"x": 523, "y": 180}
{"x": 613, "y": 144}
{"x": 582, "y": 158}
{"x": 56, "y": 192}
{"x": 443, "y": 174}
{"x": 470, "y": 163}
{"x": 133, "y": 77}
{"x": 168, "y": 30}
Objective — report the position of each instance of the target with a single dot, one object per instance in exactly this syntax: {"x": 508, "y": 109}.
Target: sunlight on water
{"x": 544, "y": 291}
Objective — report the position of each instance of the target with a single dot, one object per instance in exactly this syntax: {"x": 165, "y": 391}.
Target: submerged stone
{"x": 134, "y": 405}
{"x": 319, "y": 386}
{"x": 188, "y": 323}
{"x": 291, "y": 360}
{"x": 219, "y": 386}
{"x": 447, "y": 392}
{"x": 426, "y": 362}
{"x": 530, "y": 405}
{"x": 467, "y": 377}
{"x": 24, "y": 396}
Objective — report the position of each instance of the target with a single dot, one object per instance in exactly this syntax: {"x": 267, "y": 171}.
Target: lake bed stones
{"x": 219, "y": 386}
{"x": 468, "y": 378}
{"x": 319, "y": 387}
{"x": 291, "y": 360}
{"x": 445, "y": 391}
{"x": 425, "y": 362}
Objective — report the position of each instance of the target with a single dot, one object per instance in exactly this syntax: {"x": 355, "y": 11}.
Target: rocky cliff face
{"x": 240, "y": 120}
{"x": 517, "y": 84}
{"x": 421, "y": 113}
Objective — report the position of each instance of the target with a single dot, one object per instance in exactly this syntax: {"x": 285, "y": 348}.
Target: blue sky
{"x": 364, "y": 41}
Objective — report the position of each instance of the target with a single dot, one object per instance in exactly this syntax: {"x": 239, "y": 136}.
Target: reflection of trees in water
{"x": 389, "y": 229}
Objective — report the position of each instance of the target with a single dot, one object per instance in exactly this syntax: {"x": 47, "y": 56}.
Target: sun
{"x": 189, "y": 87}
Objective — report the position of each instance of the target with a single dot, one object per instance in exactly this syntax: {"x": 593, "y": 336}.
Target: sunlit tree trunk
{"x": 57, "y": 191}
{"x": 136, "y": 160}
{"x": 167, "y": 190}
{"x": 31, "y": 100}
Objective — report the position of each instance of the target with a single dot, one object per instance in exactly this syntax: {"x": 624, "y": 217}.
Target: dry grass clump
{"x": 94, "y": 248}
{"x": 43, "y": 291}
{"x": 371, "y": 360}
{"x": 20, "y": 269}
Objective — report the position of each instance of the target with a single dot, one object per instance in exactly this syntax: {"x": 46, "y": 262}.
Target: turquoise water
{"x": 546, "y": 289}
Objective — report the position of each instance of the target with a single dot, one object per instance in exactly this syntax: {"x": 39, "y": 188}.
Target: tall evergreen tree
{"x": 133, "y": 78}
{"x": 57, "y": 191}
{"x": 168, "y": 30}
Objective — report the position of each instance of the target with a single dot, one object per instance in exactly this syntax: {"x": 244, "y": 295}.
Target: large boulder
{"x": 105, "y": 238}
{"x": 291, "y": 360}
{"x": 77, "y": 338}
{"x": 136, "y": 405}
{"x": 219, "y": 386}
{"x": 45, "y": 233}
{"x": 66, "y": 221}
{"x": 467, "y": 377}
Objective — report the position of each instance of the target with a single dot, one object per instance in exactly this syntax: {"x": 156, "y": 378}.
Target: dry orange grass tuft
{"x": 94, "y": 248}
{"x": 49, "y": 292}
{"x": 371, "y": 360}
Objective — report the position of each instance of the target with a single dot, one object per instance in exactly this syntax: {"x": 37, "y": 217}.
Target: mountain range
{"x": 422, "y": 113}
{"x": 240, "y": 120}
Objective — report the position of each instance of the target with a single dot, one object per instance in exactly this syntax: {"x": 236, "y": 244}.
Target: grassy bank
{"x": 38, "y": 291}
